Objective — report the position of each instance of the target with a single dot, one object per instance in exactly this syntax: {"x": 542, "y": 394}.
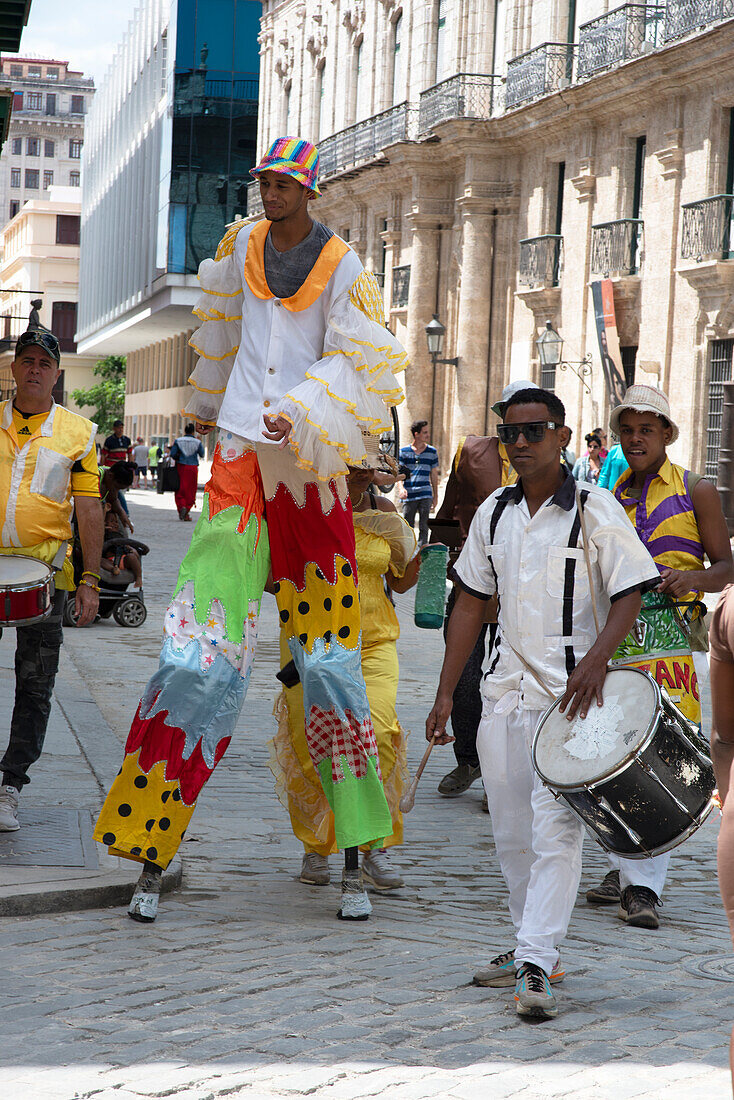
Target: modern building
{"x": 46, "y": 133}
{"x": 40, "y": 250}
{"x": 491, "y": 162}
{"x": 170, "y": 139}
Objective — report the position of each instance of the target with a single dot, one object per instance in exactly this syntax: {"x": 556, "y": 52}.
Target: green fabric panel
{"x": 361, "y": 812}
{"x": 225, "y": 565}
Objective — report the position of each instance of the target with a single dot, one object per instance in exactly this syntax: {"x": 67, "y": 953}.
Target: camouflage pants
{"x": 36, "y": 662}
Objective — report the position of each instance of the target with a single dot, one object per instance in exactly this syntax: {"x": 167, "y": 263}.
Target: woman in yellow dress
{"x": 386, "y": 554}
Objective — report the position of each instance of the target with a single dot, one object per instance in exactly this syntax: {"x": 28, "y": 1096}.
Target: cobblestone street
{"x": 247, "y": 985}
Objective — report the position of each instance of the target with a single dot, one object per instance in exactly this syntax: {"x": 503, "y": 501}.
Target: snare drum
{"x": 635, "y": 770}
{"x": 26, "y": 590}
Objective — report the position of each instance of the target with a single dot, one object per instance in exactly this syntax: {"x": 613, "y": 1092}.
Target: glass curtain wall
{"x": 214, "y": 124}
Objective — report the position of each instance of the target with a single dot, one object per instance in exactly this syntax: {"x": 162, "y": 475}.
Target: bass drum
{"x": 635, "y": 770}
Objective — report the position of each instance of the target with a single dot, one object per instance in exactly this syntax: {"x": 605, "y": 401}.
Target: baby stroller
{"x": 127, "y": 609}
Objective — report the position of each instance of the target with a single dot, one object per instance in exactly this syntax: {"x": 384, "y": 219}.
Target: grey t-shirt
{"x": 286, "y": 272}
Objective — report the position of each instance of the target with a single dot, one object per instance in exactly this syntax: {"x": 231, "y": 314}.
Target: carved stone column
{"x": 421, "y": 307}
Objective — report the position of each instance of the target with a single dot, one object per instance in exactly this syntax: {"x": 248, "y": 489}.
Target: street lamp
{"x": 550, "y": 348}
{"x": 435, "y": 333}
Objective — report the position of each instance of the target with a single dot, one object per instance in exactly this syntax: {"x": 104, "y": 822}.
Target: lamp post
{"x": 550, "y": 349}
{"x": 435, "y": 333}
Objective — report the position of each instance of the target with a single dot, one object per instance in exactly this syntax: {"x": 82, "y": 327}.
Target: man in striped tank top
{"x": 678, "y": 516}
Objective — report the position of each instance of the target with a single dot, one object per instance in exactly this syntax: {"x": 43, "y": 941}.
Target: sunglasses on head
{"x": 44, "y": 340}
{"x": 533, "y": 431}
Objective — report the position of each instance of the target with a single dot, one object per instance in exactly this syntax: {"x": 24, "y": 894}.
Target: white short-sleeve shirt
{"x": 537, "y": 568}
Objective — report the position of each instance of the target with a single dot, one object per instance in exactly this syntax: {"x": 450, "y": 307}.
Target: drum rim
{"x": 617, "y": 769}
{"x": 28, "y": 586}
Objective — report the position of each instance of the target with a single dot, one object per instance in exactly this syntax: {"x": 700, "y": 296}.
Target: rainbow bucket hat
{"x": 293, "y": 157}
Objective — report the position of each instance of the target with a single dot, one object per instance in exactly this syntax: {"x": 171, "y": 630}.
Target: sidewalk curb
{"x": 78, "y": 894}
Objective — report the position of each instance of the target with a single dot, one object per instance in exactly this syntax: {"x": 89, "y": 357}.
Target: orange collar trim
{"x": 315, "y": 284}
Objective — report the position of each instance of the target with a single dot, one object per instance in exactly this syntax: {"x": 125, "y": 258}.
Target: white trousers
{"x": 652, "y": 872}
{"x": 538, "y": 839}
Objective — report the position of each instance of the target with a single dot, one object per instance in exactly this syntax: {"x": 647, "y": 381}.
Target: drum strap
{"x": 529, "y": 668}
{"x": 60, "y": 556}
{"x": 585, "y": 541}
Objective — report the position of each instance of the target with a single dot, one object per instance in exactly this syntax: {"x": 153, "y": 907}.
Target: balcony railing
{"x": 467, "y": 95}
{"x": 364, "y": 141}
{"x": 254, "y": 202}
{"x": 707, "y": 229}
{"x": 619, "y": 35}
{"x": 539, "y": 72}
{"x": 615, "y": 247}
{"x": 541, "y": 260}
{"x": 686, "y": 16}
{"x": 400, "y": 286}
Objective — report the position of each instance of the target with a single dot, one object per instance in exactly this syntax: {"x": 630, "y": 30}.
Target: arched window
{"x": 442, "y": 59}
{"x": 360, "y": 110}
{"x": 398, "y": 87}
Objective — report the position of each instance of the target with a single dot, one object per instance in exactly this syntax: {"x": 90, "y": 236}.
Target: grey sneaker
{"x": 501, "y": 973}
{"x": 9, "y": 809}
{"x": 638, "y": 906}
{"x": 378, "y": 869}
{"x": 533, "y": 994}
{"x": 458, "y": 780}
{"x": 355, "y": 903}
{"x": 315, "y": 870}
{"x": 144, "y": 904}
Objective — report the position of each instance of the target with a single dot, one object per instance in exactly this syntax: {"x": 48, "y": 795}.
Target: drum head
{"x": 16, "y": 569}
{"x": 587, "y": 750}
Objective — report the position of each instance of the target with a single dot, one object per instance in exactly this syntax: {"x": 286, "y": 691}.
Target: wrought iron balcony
{"x": 400, "y": 286}
{"x": 686, "y": 16}
{"x": 619, "y": 35}
{"x": 254, "y": 202}
{"x": 615, "y": 247}
{"x": 539, "y": 72}
{"x": 541, "y": 260}
{"x": 707, "y": 229}
{"x": 467, "y": 95}
{"x": 363, "y": 142}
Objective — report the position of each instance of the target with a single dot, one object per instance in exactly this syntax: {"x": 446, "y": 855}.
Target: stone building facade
{"x": 491, "y": 161}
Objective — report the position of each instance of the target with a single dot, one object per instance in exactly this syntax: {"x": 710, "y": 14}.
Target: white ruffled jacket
{"x": 322, "y": 359}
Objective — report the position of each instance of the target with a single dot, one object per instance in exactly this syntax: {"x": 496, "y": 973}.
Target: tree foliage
{"x": 106, "y": 397}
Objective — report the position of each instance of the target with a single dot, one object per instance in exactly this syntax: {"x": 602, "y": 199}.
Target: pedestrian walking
{"x": 47, "y": 462}
{"x": 419, "y": 469}
{"x": 186, "y": 452}
{"x": 140, "y": 459}
{"x": 386, "y": 562}
{"x": 523, "y": 545}
{"x": 588, "y": 467}
{"x": 677, "y": 515}
{"x": 615, "y": 464}
{"x": 155, "y": 454}
{"x": 117, "y": 447}
{"x": 308, "y": 362}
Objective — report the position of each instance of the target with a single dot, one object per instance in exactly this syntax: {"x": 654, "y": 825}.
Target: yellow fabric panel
{"x": 134, "y": 823}
{"x": 321, "y": 607}
{"x": 366, "y": 295}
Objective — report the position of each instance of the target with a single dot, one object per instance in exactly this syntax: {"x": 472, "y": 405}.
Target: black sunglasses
{"x": 45, "y": 340}
{"x": 533, "y": 431}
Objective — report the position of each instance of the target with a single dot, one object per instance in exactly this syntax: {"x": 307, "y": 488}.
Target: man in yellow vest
{"x": 47, "y": 457}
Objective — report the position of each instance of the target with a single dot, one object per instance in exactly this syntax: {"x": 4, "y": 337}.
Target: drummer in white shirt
{"x": 525, "y": 545}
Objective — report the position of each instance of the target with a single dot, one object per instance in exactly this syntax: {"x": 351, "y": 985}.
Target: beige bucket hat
{"x": 644, "y": 399}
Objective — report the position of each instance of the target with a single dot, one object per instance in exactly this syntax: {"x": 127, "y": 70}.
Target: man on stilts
{"x": 293, "y": 366}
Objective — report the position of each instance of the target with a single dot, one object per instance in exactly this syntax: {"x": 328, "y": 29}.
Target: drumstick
{"x": 585, "y": 540}
{"x": 408, "y": 799}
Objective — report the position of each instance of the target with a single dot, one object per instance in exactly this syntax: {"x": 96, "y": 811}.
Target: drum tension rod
{"x": 681, "y": 806}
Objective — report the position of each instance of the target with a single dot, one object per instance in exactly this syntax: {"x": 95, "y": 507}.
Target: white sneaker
{"x": 144, "y": 904}
{"x": 9, "y": 809}
{"x": 355, "y": 903}
{"x": 380, "y": 871}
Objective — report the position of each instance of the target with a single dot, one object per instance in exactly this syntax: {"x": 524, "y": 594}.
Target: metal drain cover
{"x": 59, "y": 837}
{"x": 720, "y": 968}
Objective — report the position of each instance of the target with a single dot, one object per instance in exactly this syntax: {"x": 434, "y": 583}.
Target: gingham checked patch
{"x": 329, "y": 737}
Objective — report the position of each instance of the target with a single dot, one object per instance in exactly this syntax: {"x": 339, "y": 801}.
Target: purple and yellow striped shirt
{"x": 664, "y": 518}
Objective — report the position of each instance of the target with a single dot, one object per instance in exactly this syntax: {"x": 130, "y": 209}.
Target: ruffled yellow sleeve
{"x": 395, "y": 531}
{"x": 217, "y": 339}
{"x": 350, "y": 389}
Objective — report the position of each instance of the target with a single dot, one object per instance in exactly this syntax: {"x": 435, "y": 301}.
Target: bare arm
{"x": 434, "y": 484}
{"x": 91, "y": 532}
{"x": 409, "y": 577}
{"x": 716, "y": 545}
{"x": 722, "y": 727}
{"x": 587, "y": 679}
{"x": 465, "y": 623}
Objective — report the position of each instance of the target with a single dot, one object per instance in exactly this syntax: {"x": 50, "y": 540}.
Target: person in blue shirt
{"x": 187, "y": 451}
{"x": 614, "y": 466}
{"x": 419, "y": 473}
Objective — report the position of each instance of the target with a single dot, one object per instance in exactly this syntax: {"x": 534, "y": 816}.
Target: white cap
{"x": 509, "y": 391}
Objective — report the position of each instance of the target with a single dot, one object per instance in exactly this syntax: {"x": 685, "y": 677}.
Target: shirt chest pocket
{"x": 51, "y": 475}
{"x": 567, "y": 573}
